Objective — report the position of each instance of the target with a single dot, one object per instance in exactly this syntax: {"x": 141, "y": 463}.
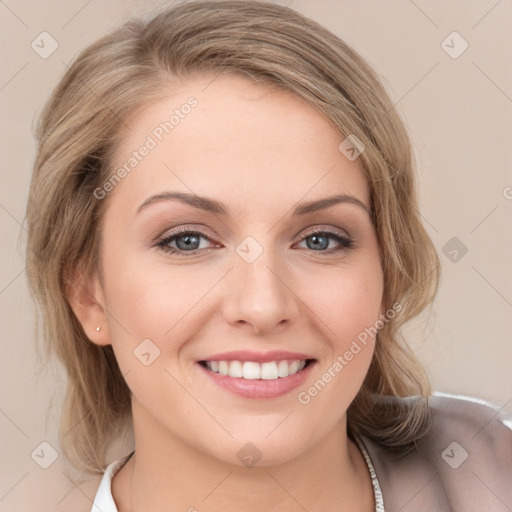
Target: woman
{"x": 224, "y": 238}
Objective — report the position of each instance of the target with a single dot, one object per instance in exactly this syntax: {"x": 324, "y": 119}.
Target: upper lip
{"x": 258, "y": 357}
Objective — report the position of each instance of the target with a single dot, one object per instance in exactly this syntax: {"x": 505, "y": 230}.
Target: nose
{"x": 259, "y": 296}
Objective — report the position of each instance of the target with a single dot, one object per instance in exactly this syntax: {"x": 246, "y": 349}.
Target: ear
{"x": 86, "y": 298}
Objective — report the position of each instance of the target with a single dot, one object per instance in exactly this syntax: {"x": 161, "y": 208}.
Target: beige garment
{"x": 464, "y": 463}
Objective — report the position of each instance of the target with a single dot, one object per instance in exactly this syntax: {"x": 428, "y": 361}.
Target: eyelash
{"x": 345, "y": 242}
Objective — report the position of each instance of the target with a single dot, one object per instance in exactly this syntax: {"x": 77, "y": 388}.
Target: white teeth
{"x": 223, "y": 367}
{"x": 235, "y": 369}
{"x": 283, "y": 369}
{"x": 269, "y": 371}
{"x": 252, "y": 370}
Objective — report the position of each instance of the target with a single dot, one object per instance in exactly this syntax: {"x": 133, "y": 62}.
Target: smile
{"x": 258, "y": 380}
{"x": 252, "y": 370}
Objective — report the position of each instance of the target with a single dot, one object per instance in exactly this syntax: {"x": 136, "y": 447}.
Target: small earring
{"x": 98, "y": 328}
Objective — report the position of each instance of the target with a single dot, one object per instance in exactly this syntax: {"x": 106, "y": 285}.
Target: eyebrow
{"x": 218, "y": 208}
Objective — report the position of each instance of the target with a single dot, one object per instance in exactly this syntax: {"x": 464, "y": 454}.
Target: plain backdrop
{"x": 457, "y": 106}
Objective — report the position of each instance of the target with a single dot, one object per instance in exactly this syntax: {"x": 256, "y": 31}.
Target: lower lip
{"x": 260, "y": 388}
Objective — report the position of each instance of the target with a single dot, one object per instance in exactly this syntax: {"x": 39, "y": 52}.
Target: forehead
{"x": 228, "y": 136}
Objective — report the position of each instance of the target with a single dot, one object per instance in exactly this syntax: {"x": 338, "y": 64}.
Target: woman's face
{"x": 241, "y": 265}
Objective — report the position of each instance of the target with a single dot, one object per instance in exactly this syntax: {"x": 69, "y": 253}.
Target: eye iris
{"x": 190, "y": 240}
{"x": 319, "y": 241}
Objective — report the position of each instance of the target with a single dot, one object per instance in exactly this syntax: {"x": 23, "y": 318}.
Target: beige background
{"x": 459, "y": 114}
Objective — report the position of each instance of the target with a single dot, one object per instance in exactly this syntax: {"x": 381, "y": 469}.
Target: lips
{"x": 258, "y": 374}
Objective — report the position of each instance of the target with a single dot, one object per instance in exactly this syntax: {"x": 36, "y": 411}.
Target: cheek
{"x": 147, "y": 298}
{"x": 347, "y": 300}
{"x": 350, "y": 330}
{"x": 149, "y": 321}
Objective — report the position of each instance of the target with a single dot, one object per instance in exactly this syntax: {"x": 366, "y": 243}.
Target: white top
{"x": 104, "y": 502}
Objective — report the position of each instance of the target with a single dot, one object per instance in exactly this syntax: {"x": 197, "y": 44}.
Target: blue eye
{"x": 320, "y": 241}
{"x": 188, "y": 242}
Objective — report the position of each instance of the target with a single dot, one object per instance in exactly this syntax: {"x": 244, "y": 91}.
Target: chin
{"x": 258, "y": 449}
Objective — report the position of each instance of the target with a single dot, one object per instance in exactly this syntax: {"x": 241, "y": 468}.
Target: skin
{"x": 260, "y": 152}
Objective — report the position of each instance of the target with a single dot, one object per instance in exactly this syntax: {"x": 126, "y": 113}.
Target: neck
{"x": 168, "y": 475}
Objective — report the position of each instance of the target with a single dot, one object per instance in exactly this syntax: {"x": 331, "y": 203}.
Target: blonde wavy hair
{"x": 78, "y": 132}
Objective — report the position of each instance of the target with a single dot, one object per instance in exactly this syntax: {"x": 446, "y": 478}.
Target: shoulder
{"x": 464, "y": 462}
{"x": 479, "y": 423}
{"x": 472, "y": 432}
